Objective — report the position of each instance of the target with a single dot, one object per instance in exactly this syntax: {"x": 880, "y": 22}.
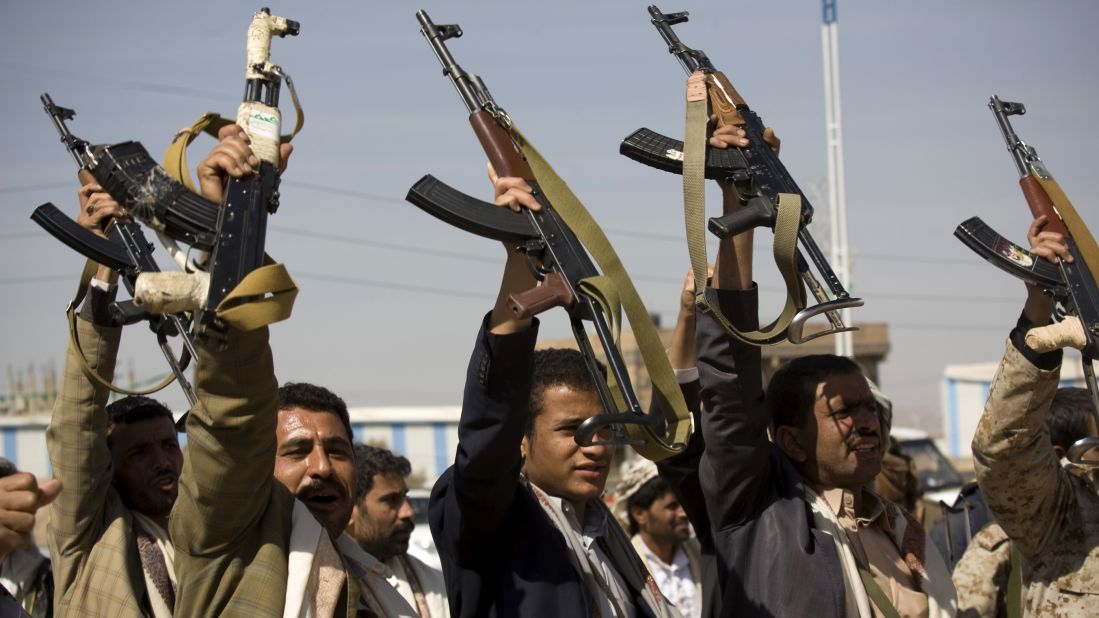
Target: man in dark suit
{"x": 518, "y": 521}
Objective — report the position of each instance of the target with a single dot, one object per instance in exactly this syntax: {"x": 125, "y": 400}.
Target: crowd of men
{"x": 271, "y": 509}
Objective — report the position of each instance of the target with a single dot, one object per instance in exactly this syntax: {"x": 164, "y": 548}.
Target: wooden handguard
{"x": 554, "y": 292}
{"x": 1040, "y": 205}
{"x": 724, "y": 99}
{"x": 498, "y": 147}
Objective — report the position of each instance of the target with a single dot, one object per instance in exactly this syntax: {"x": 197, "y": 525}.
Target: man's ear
{"x": 524, "y": 448}
{"x": 788, "y": 440}
{"x": 640, "y": 515}
{"x": 1060, "y": 451}
{"x": 354, "y": 517}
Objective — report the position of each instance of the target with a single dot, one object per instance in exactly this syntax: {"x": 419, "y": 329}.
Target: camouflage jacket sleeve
{"x": 981, "y": 575}
{"x": 1019, "y": 473}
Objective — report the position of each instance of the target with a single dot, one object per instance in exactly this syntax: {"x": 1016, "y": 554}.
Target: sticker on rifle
{"x": 1013, "y": 252}
{"x": 262, "y": 124}
{"x": 673, "y": 154}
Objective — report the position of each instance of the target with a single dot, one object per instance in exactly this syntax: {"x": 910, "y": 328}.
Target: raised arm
{"x": 734, "y": 470}
{"x": 227, "y": 480}
{"x": 681, "y": 471}
{"x": 77, "y": 435}
{"x": 1020, "y": 474}
{"x": 471, "y": 500}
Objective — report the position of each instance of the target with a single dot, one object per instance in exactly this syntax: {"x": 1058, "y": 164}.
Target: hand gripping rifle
{"x": 126, "y": 250}
{"x": 1071, "y": 284}
{"x": 767, "y": 193}
{"x": 229, "y": 287}
{"x": 556, "y": 241}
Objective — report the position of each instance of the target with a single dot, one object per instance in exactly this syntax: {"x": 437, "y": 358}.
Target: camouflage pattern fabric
{"x": 980, "y": 577}
{"x": 1050, "y": 513}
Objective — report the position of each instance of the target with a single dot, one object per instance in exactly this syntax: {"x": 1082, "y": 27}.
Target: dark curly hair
{"x": 1069, "y": 416}
{"x": 371, "y": 461}
{"x": 793, "y": 388}
{"x": 315, "y": 398}
{"x": 133, "y": 409}
{"x": 644, "y": 497}
{"x": 557, "y": 367}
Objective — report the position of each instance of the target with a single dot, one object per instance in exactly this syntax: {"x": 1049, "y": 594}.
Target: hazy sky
{"x": 391, "y": 298}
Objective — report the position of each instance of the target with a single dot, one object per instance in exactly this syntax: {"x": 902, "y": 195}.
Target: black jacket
{"x": 681, "y": 472}
{"x": 501, "y": 554}
{"x": 771, "y": 560}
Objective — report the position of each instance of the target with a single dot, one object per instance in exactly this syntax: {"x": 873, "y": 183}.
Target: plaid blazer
{"x": 231, "y": 523}
{"x": 96, "y": 567}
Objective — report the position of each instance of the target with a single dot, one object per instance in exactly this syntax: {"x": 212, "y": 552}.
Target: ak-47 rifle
{"x": 758, "y": 178}
{"x": 1072, "y": 285}
{"x": 232, "y": 233}
{"x": 560, "y": 261}
{"x": 126, "y": 251}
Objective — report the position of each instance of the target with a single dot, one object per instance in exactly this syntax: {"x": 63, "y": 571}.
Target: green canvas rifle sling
{"x": 694, "y": 214}
{"x": 271, "y": 282}
{"x": 615, "y": 292}
{"x": 86, "y": 276}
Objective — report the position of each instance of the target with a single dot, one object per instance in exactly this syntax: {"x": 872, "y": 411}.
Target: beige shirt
{"x": 871, "y": 535}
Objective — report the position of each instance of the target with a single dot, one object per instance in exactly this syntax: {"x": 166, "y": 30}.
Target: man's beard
{"x": 394, "y": 544}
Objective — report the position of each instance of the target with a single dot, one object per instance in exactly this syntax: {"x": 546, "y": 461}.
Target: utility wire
{"x": 655, "y": 236}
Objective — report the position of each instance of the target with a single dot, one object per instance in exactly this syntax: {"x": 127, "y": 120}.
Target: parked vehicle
{"x": 421, "y": 544}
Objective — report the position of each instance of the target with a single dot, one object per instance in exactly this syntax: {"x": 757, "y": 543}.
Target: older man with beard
{"x": 250, "y": 542}
{"x": 381, "y": 522}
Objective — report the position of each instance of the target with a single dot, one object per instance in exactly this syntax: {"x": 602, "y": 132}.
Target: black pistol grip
{"x": 758, "y": 212}
{"x": 469, "y": 213}
{"x": 147, "y": 192}
{"x": 1008, "y": 256}
{"x": 665, "y": 153}
{"x": 61, "y": 227}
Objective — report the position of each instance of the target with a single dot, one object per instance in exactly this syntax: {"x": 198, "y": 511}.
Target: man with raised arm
{"x": 268, "y": 484}
{"x": 517, "y": 519}
{"x": 797, "y": 533}
{"x": 119, "y": 464}
{"x": 1047, "y": 505}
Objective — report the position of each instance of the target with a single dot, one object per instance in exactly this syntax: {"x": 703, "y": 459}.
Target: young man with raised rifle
{"x": 518, "y": 519}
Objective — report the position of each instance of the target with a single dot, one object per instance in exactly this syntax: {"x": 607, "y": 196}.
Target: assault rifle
{"x": 557, "y": 257}
{"x": 757, "y": 176}
{"x": 126, "y": 251}
{"x": 1072, "y": 285}
{"x": 233, "y": 232}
